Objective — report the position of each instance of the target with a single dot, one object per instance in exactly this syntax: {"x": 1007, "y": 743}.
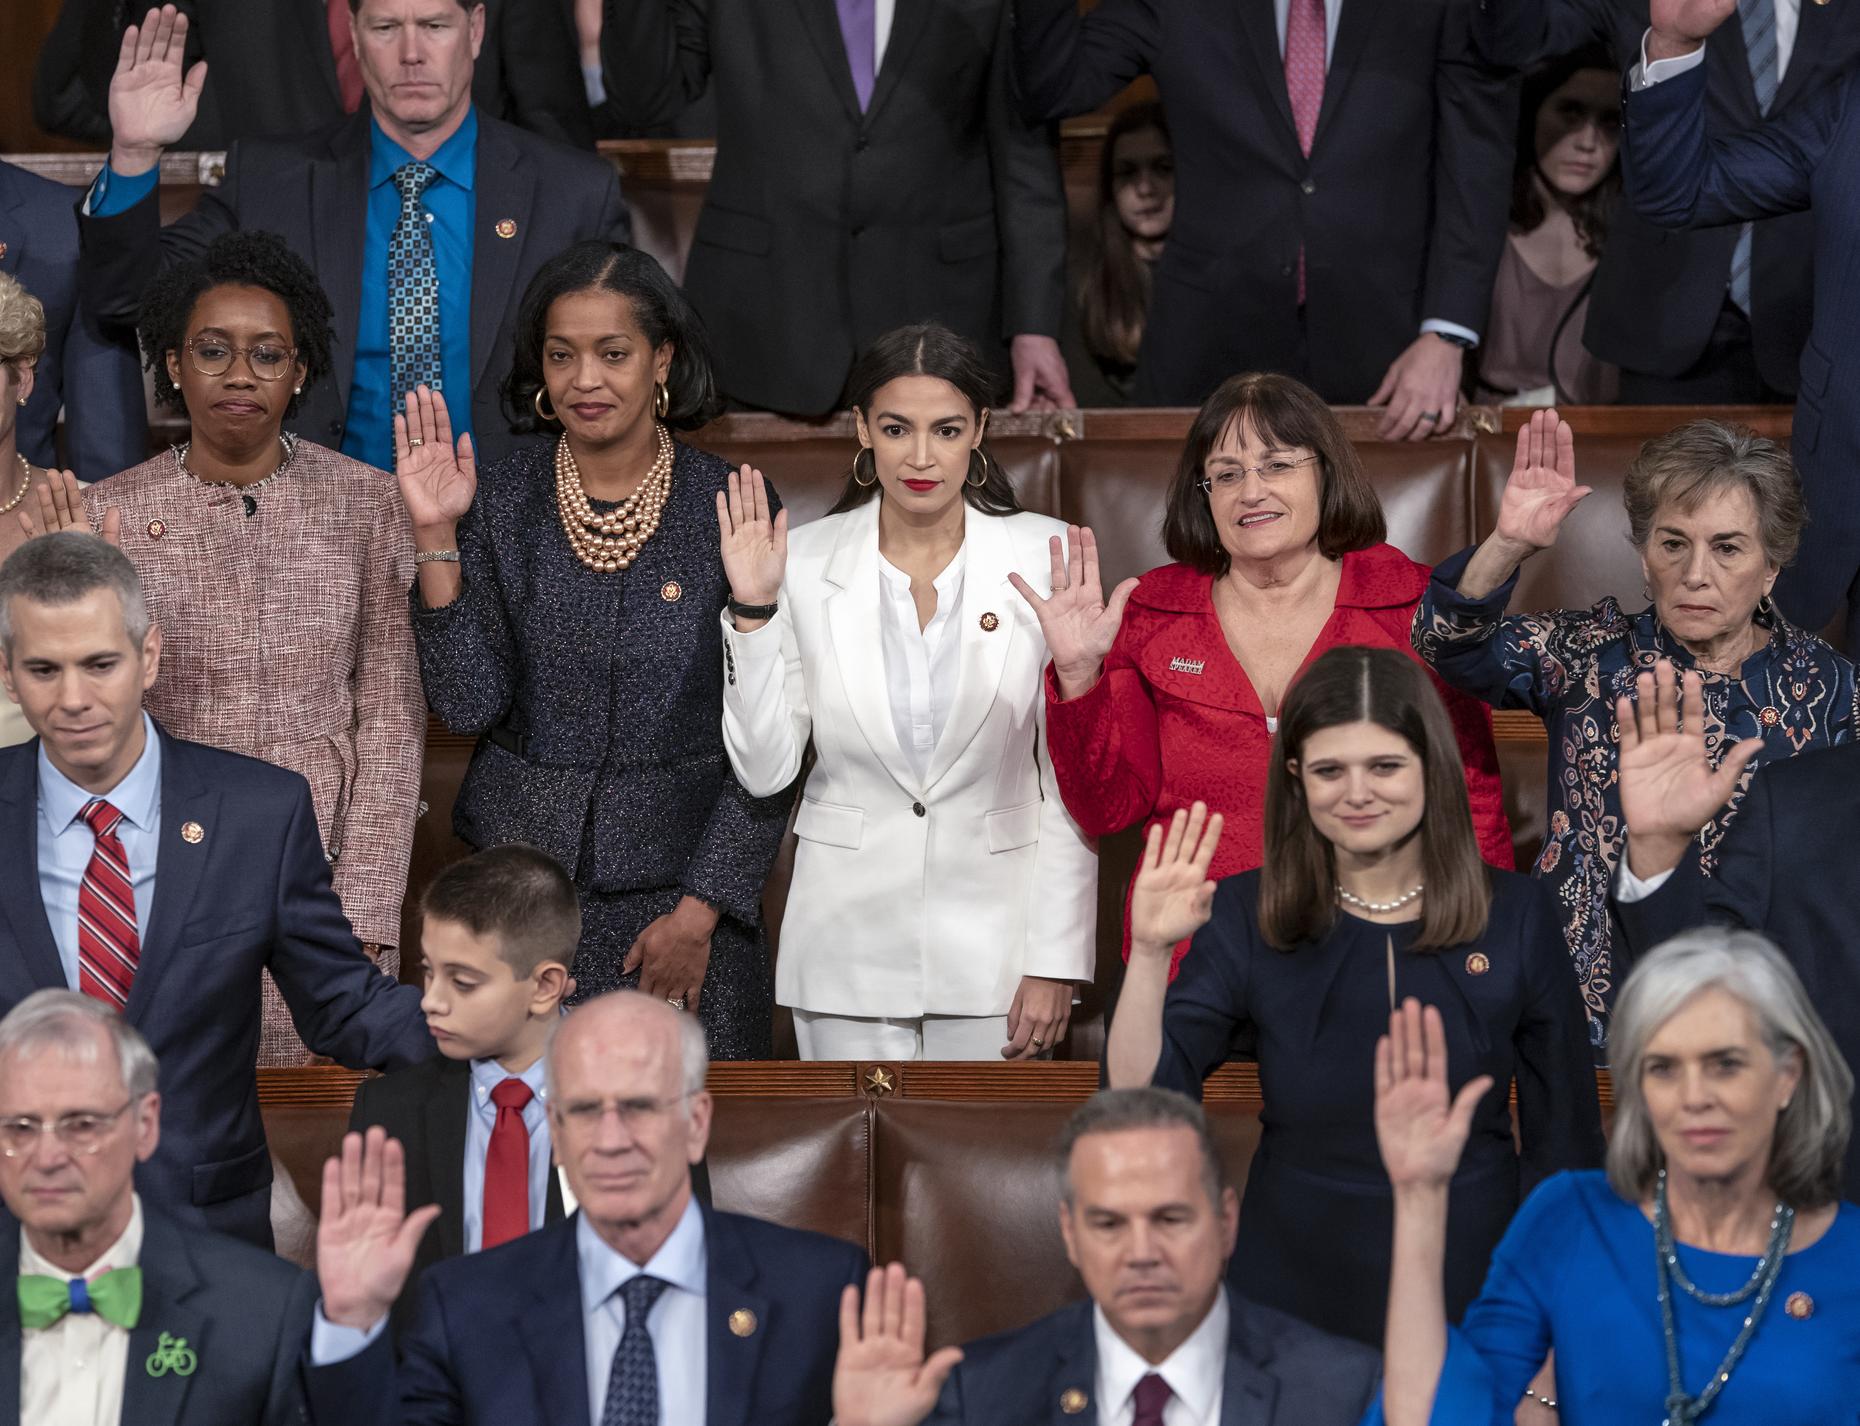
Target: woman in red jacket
{"x": 1168, "y": 693}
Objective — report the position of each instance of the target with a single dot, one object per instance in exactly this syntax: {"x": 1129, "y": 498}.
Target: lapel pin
{"x": 1072, "y": 1401}
{"x": 990, "y": 622}
{"x": 192, "y": 832}
{"x": 1478, "y": 963}
{"x": 743, "y": 1322}
{"x": 671, "y": 591}
{"x": 157, "y": 528}
{"x": 1800, "y": 1306}
{"x": 1182, "y": 665}
{"x": 172, "y": 1354}
{"x": 2, "y": 249}
{"x": 506, "y": 227}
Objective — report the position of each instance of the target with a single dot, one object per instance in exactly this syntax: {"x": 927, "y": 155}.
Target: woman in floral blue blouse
{"x": 1716, "y": 512}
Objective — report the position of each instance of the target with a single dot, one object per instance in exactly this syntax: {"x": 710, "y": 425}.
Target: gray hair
{"x": 1702, "y": 458}
{"x": 63, "y": 567}
{"x": 64, "y": 1020}
{"x": 1810, "y": 1143}
{"x": 693, "y": 1051}
{"x": 1112, "y": 1111}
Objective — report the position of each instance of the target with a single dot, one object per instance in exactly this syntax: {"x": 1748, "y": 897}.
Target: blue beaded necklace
{"x": 1682, "y": 1410}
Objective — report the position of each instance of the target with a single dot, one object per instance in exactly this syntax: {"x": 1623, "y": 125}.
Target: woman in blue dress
{"x": 1715, "y": 512}
{"x": 1711, "y": 1274}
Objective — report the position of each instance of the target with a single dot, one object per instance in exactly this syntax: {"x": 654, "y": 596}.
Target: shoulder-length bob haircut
{"x": 1810, "y": 1144}
{"x": 1283, "y": 413}
{"x": 659, "y": 308}
{"x": 1298, "y": 882}
{"x": 929, "y": 349}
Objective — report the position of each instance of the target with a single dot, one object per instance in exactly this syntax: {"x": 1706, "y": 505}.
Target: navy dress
{"x": 597, "y": 702}
{"x": 1576, "y": 1272}
{"x": 1317, "y": 1215}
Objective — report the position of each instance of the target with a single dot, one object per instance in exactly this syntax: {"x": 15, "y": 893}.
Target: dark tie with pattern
{"x": 633, "y": 1380}
{"x": 109, "y": 947}
{"x": 1151, "y": 1396}
{"x": 1757, "y": 19}
{"x": 413, "y": 289}
{"x": 1304, "y": 83}
{"x": 859, "y": 28}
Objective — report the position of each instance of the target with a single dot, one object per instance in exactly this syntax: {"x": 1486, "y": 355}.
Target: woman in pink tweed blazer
{"x": 278, "y": 571}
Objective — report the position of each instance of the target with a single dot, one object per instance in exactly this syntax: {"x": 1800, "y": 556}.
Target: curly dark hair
{"x": 240, "y": 259}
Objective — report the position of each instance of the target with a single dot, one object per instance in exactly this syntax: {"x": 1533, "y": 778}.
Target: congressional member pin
{"x": 1800, "y": 1306}
{"x": 1478, "y": 963}
{"x": 743, "y": 1322}
{"x": 990, "y": 622}
{"x": 671, "y": 591}
{"x": 157, "y": 528}
{"x": 1072, "y": 1401}
{"x": 192, "y": 833}
{"x": 2, "y": 249}
{"x": 506, "y": 227}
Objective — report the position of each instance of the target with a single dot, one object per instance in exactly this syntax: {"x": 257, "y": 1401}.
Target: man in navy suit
{"x": 163, "y": 876}
{"x": 1679, "y": 175}
{"x": 644, "y": 1307}
{"x": 1149, "y": 1225}
{"x": 107, "y": 427}
{"x": 113, "y": 1310}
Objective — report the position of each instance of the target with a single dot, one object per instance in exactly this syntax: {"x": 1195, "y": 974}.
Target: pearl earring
{"x": 297, "y": 391}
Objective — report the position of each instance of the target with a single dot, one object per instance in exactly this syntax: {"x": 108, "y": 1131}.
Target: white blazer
{"x": 912, "y": 897}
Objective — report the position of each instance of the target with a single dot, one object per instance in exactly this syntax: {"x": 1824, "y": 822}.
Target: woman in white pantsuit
{"x": 943, "y": 902}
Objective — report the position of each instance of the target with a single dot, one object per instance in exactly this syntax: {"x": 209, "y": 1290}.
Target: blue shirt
{"x": 66, "y": 843}
{"x": 451, "y": 206}
{"x": 486, "y": 1075}
{"x": 677, "y": 1320}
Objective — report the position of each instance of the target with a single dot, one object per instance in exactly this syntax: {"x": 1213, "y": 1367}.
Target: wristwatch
{"x": 753, "y": 611}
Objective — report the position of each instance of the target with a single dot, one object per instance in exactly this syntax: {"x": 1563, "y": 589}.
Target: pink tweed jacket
{"x": 285, "y": 636}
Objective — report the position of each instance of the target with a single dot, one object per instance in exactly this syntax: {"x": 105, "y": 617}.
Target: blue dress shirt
{"x": 486, "y": 1075}
{"x": 451, "y": 206}
{"x": 66, "y": 844}
{"x": 680, "y": 1347}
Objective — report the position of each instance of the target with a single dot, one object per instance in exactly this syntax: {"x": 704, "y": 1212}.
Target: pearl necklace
{"x": 25, "y": 484}
{"x": 611, "y": 540}
{"x": 1377, "y": 907}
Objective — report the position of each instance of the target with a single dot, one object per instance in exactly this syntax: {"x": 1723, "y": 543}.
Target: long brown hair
{"x": 1113, "y": 292}
{"x": 1297, "y": 883}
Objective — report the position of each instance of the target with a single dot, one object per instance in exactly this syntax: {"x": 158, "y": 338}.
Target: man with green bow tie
{"x": 120, "y": 1316}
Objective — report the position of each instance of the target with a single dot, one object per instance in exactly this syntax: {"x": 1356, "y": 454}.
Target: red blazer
{"x": 1174, "y": 719}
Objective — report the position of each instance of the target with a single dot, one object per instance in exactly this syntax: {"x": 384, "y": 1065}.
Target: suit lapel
{"x": 14, "y": 229}
{"x": 179, "y": 865}
{"x": 9, "y": 1322}
{"x": 731, "y": 1360}
{"x": 1249, "y": 1395}
{"x": 505, "y": 189}
{"x": 858, "y": 646}
{"x": 821, "y": 20}
{"x": 169, "y": 1281}
{"x": 445, "y": 1111}
{"x": 1814, "y": 41}
{"x": 907, "y": 27}
{"x": 1262, "y": 42}
{"x": 339, "y": 211}
{"x": 21, "y": 906}
{"x": 1354, "y": 30}
{"x": 1075, "y": 1372}
{"x": 988, "y": 554}
{"x": 548, "y": 1318}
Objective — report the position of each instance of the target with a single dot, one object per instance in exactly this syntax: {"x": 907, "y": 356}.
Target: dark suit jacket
{"x": 244, "y": 1312}
{"x": 1785, "y": 868}
{"x": 252, "y": 894}
{"x": 313, "y": 190}
{"x": 107, "y": 430}
{"x": 1684, "y": 171}
{"x": 1280, "y": 1372}
{"x": 824, "y": 227}
{"x": 498, "y": 1336}
{"x": 1400, "y": 208}
{"x": 1657, "y": 293}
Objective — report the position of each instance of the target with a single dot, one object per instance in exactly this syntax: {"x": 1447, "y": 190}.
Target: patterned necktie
{"x": 109, "y": 947}
{"x": 342, "y": 46}
{"x": 1304, "y": 83}
{"x": 507, "y": 1167}
{"x": 115, "y": 1296}
{"x": 413, "y": 289}
{"x": 1151, "y": 1396}
{"x": 1758, "y": 21}
{"x": 633, "y": 1380}
{"x": 859, "y": 28}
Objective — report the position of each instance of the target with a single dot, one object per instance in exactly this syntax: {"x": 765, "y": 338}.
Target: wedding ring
{"x": 1430, "y": 416}
{"x": 1038, "y": 1042}
{"x": 416, "y": 441}
{"x": 677, "y": 1002}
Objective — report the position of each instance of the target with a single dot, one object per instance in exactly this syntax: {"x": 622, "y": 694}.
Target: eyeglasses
{"x": 585, "y": 1116}
{"x": 1271, "y": 470}
{"x": 81, "y": 1133}
{"x": 213, "y": 357}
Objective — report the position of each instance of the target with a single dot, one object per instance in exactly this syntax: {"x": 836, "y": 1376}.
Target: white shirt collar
{"x": 125, "y": 1252}
{"x": 137, "y": 795}
{"x": 1195, "y": 1371}
{"x": 681, "y": 1260}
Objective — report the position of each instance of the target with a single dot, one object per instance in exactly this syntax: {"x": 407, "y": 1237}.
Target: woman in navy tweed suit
{"x": 566, "y": 615}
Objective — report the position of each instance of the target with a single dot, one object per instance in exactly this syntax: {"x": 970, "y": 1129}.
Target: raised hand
{"x": 58, "y": 504}
{"x": 1420, "y": 1127}
{"x": 1669, "y": 789}
{"x": 1173, "y": 898}
{"x": 1079, "y": 625}
{"x": 437, "y": 479}
{"x": 153, "y": 98}
{"x": 1681, "y": 26}
{"x": 755, "y": 548}
{"x": 365, "y": 1238}
{"x": 1541, "y": 489}
{"x": 881, "y": 1377}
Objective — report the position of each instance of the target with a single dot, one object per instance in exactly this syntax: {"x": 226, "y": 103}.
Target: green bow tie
{"x": 116, "y": 1297}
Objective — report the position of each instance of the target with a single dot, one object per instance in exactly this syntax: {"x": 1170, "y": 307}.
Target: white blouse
{"x": 921, "y": 665}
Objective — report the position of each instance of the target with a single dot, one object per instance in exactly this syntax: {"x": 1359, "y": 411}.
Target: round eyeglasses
{"x": 212, "y": 357}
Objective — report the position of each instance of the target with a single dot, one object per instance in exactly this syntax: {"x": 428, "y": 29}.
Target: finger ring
{"x": 1430, "y": 415}
{"x": 1037, "y": 1042}
{"x": 415, "y": 441}
{"x": 677, "y": 1002}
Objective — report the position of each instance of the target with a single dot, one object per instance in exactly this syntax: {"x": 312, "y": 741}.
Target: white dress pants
{"x": 929, "y": 1037}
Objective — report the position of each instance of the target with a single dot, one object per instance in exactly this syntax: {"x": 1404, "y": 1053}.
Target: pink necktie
{"x": 1151, "y": 1396}
{"x": 1304, "y": 83}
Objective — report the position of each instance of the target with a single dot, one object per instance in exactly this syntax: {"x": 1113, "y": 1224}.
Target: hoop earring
{"x": 865, "y": 484}
{"x": 662, "y": 401}
{"x": 541, "y": 414}
{"x": 977, "y": 458}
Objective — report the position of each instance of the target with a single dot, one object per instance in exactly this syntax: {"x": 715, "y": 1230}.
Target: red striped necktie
{"x": 108, "y": 946}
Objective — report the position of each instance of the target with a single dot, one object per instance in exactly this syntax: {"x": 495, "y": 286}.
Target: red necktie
{"x": 1152, "y": 1395}
{"x": 108, "y": 945}
{"x": 507, "y": 1167}
{"x": 342, "y": 45}
{"x": 1304, "y": 83}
